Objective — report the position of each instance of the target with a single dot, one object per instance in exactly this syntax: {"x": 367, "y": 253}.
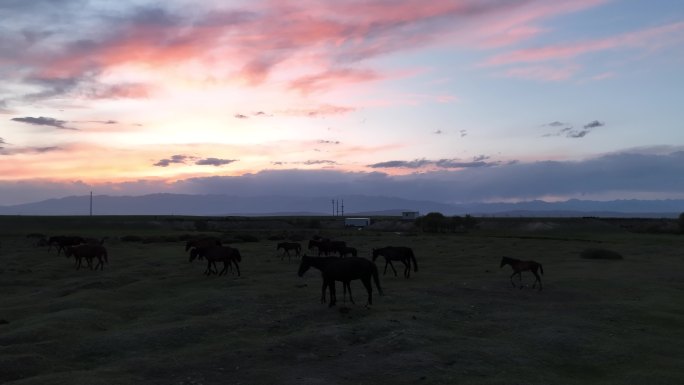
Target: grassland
{"x": 151, "y": 317}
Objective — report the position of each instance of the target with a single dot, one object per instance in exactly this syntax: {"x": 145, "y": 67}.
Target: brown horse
{"x": 397, "y": 253}
{"x": 225, "y": 254}
{"x": 88, "y": 252}
{"x": 520, "y": 266}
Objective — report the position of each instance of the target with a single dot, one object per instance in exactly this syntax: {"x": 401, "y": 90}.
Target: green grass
{"x": 151, "y": 317}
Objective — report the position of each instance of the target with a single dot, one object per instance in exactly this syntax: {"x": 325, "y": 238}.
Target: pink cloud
{"x": 545, "y": 73}
{"x": 660, "y": 36}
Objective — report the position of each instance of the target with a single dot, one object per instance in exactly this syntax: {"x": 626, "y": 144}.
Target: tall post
{"x": 333, "y": 205}
{"x": 91, "y": 203}
{"x": 337, "y": 208}
{"x": 342, "y": 207}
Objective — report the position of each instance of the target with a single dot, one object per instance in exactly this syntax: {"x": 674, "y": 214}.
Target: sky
{"x": 455, "y": 101}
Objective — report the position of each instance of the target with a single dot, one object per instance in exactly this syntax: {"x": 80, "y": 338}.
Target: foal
{"x": 520, "y": 266}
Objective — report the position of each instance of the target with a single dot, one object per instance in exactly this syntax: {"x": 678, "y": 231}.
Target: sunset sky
{"x": 456, "y": 101}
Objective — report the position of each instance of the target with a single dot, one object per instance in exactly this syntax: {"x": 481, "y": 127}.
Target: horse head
{"x": 376, "y": 253}
{"x": 189, "y": 244}
{"x": 504, "y": 261}
{"x": 194, "y": 253}
{"x": 304, "y": 265}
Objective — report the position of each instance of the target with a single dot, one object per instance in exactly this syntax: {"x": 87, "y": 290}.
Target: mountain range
{"x": 223, "y": 205}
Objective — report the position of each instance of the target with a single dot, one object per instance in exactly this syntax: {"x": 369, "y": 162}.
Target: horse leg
{"x": 325, "y": 284}
{"x": 348, "y": 283}
{"x": 407, "y": 269}
{"x": 392, "y": 266}
{"x": 333, "y": 296}
{"x": 225, "y": 267}
{"x": 367, "y": 283}
{"x": 237, "y": 267}
{"x": 537, "y": 279}
{"x": 512, "y": 275}
{"x": 386, "y": 264}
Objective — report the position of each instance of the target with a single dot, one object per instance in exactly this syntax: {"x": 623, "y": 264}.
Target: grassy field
{"x": 152, "y": 317}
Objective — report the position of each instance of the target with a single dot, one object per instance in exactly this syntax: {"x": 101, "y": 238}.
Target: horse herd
{"x": 335, "y": 260}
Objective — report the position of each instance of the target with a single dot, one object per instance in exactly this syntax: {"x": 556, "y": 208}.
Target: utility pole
{"x": 333, "y": 207}
{"x": 91, "y": 203}
{"x": 342, "y": 207}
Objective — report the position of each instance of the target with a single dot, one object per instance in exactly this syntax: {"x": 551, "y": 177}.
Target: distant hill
{"x": 354, "y": 205}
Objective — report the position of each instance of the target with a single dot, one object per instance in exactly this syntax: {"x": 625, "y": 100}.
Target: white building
{"x": 409, "y": 215}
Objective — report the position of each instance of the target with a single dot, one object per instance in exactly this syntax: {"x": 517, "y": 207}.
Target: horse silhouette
{"x": 287, "y": 246}
{"x": 397, "y": 253}
{"x": 88, "y": 252}
{"x": 348, "y": 251}
{"x": 61, "y": 242}
{"x": 228, "y": 255}
{"x": 202, "y": 242}
{"x": 328, "y": 247}
{"x": 344, "y": 270}
{"x": 520, "y": 266}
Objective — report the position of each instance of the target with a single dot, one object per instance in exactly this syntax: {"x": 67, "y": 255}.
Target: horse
{"x": 202, "y": 242}
{"x": 348, "y": 251}
{"x": 520, "y": 266}
{"x": 344, "y": 270}
{"x": 287, "y": 246}
{"x": 397, "y": 253}
{"x": 320, "y": 263}
{"x": 214, "y": 254}
{"x": 61, "y": 242}
{"x": 328, "y": 247}
{"x": 89, "y": 252}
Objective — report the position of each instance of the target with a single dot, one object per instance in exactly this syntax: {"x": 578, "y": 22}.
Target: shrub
{"x": 681, "y": 223}
{"x": 600, "y": 254}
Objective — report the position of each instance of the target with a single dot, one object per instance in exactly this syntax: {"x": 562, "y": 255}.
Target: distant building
{"x": 409, "y": 215}
{"x": 356, "y": 222}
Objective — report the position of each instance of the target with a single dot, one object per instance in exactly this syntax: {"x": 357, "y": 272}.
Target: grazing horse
{"x": 287, "y": 246}
{"x": 88, "y": 252}
{"x": 214, "y": 254}
{"x": 344, "y": 270}
{"x": 397, "y": 253}
{"x": 62, "y": 242}
{"x": 520, "y": 266}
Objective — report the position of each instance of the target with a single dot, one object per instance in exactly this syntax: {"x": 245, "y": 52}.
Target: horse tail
{"x": 374, "y": 273}
{"x": 541, "y": 269}
{"x": 238, "y": 256}
{"x": 104, "y": 253}
{"x": 413, "y": 258}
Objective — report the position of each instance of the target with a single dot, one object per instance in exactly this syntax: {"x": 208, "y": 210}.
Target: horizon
{"x": 458, "y": 101}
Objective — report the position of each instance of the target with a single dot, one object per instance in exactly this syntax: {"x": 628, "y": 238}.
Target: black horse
{"x": 61, "y": 242}
{"x": 287, "y": 246}
{"x": 225, "y": 254}
{"x": 397, "y": 253}
{"x": 520, "y": 266}
{"x": 326, "y": 246}
{"x": 348, "y": 251}
{"x": 344, "y": 270}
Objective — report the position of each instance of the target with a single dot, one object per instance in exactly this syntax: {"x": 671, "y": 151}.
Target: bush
{"x": 131, "y": 238}
{"x": 681, "y": 223}
{"x": 600, "y": 254}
